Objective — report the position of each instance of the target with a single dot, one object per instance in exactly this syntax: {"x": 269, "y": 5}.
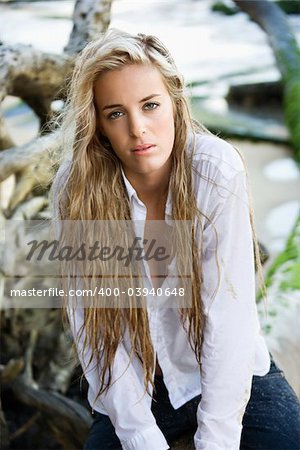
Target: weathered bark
{"x": 5, "y": 139}
{"x": 35, "y": 348}
{"x": 284, "y": 44}
{"x": 34, "y": 76}
{"x": 25, "y": 427}
{"x": 4, "y": 442}
{"x": 28, "y": 210}
{"x": 37, "y": 157}
{"x": 12, "y": 369}
{"x": 15, "y": 159}
{"x": 89, "y": 19}
{"x": 67, "y": 420}
{"x": 38, "y": 78}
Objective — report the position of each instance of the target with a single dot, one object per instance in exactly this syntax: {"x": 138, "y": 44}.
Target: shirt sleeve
{"x": 125, "y": 402}
{"x": 228, "y": 293}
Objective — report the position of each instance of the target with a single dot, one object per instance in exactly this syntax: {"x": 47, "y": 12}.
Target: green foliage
{"x": 287, "y": 264}
{"x": 288, "y": 58}
{"x": 289, "y": 6}
{"x": 223, "y": 8}
{"x": 292, "y": 112}
{"x": 293, "y": 278}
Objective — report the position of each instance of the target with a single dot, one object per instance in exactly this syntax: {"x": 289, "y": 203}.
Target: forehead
{"x": 134, "y": 81}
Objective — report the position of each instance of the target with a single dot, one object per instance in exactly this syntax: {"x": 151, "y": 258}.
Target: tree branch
{"x": 90, "y": 18}
{"x": 287, "y": 53}
{"x": 16, "y": 159}
{"x": 280, "y": 35}
{"x": 68, "y": 421}
{"x": 34, "y": 76}
{"x": 5, "y": 139}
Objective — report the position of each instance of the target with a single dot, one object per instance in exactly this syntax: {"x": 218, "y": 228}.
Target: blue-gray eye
{"x": 114, "y": 115}
{"x": 151, "y": 105}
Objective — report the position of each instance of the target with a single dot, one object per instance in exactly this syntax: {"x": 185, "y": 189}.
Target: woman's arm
{"x": 124, "y": 402}
{"x": 228, "y": 352}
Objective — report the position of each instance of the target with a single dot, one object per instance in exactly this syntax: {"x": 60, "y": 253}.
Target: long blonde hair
{"x": 104, "y": 196}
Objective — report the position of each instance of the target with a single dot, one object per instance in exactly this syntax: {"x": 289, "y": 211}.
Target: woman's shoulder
{"x": 218, "y": 171}
{"x": 216, "y": 156}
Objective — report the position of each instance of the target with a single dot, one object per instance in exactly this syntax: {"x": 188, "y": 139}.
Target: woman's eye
{"x": 151, "y": 105}
{"x": 115, "y": 115}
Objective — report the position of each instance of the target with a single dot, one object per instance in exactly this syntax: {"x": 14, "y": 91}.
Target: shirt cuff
{"x": 219, "y": 443}
{"x": 150, "y": 439}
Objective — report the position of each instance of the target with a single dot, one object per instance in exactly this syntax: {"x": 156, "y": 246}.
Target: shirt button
{"x": 158, "y": 339}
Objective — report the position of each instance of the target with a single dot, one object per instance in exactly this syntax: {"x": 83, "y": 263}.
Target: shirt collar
{"x": 130, "y": 190}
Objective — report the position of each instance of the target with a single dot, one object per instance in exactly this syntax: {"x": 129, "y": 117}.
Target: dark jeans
{"x": 271, "y": 420}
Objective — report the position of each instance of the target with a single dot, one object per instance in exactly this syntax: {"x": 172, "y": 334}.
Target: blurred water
{"x": 282, "y": 170}
{"x": 210, "y": 49}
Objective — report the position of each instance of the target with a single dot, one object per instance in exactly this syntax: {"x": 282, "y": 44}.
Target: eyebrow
{"x": 141, "y": 101}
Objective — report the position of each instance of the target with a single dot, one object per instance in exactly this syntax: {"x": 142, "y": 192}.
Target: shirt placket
{"x": 139, "y": 213}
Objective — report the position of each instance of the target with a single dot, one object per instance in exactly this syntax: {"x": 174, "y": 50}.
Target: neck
{"x": 151, "y": 188}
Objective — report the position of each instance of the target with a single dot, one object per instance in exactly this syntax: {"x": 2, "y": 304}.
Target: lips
{"x": 141, "y": 148}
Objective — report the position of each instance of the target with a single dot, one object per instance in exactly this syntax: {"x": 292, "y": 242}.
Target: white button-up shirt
{"x": 233, "y": 348}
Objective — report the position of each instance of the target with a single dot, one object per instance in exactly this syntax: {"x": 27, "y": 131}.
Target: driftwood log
{"x": 287, "y": 53}
{"x": 38, "y": 363}
{"x": 37, "y": 368}
{"x": 67, "y": 420}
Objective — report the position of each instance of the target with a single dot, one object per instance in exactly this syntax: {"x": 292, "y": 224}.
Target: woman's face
{"x": 136, "y": 114}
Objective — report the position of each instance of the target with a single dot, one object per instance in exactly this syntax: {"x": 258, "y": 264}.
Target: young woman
{"x": 155, "y": 373}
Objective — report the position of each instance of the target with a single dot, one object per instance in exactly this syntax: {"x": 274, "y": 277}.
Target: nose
{"x": 137, "y": 126}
